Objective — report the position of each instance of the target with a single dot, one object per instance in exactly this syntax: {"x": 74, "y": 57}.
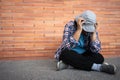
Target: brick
{"x": 3, "y": 53}
{"x": 31, "y": 28}
{"x": 24, "y": 31}
{"x": 11, "y": 0}
{"x": 33, "y": 0}
{"x": 25, "y": 25}
{"x": 7, "y": 27}
{"x": 12, "y": 14}
{"x": 13, "y": 49}
{"x": 24, "y": 38}
{"x": 6, "y": 32}
{"x": 6, "y": 24}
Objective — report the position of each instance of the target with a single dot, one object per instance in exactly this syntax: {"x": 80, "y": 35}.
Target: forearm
{"x": 95, "y": 44}
{"x": 94, "y": 36}
{"x": 77, "y": 35}
{"x": 79, "y": 29}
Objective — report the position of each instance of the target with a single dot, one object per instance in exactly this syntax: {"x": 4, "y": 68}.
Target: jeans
{"x": 81, "y": 61}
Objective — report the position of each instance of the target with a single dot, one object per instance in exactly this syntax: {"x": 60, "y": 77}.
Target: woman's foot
{"x": 61, "y": 66}
{"x": 108, "y": 68}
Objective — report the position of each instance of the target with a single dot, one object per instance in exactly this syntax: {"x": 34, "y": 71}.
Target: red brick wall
{"x": 35, "y": 27}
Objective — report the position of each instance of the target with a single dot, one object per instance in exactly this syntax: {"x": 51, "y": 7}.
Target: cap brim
{"x": 88, "y": 27}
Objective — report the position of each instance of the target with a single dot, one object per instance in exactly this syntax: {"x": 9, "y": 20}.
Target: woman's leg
{"x": 94, "y": 57}
{"x": 87, "y": 61}
{"x": 79, "y": 61}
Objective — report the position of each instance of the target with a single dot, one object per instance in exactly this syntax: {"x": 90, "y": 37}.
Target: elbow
{"x": 95, "y": 49}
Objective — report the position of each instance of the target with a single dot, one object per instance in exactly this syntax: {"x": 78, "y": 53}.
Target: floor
{"x": 45, "y": 69}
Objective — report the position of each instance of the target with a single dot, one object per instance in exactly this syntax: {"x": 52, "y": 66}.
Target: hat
{"x": 90, "y": 20}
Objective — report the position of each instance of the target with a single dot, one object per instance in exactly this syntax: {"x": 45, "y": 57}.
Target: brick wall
{"x": 30, "y": 28}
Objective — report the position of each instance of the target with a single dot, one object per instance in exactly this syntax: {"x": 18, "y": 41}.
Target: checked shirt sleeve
{"x": 95, "y": 46}
{"x": 68, "y": 39}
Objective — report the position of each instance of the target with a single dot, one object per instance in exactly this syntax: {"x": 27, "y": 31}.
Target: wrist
{"x": 94, "y": 36}
{"x": 77, "y": 35}
{"x": 79, "y": 27}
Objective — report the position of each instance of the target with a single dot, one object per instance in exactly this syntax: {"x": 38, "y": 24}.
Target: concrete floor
{"x": 46, "y": 70}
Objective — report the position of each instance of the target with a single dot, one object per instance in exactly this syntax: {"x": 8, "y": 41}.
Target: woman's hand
{"x": 79, "y": 28}
{"x": 79, "y": 23}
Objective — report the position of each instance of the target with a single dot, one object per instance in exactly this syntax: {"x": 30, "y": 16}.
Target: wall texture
{"x": 30, "y": 28}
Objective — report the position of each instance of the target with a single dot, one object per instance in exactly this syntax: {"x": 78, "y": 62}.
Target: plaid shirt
{"x": 69, "y": 42}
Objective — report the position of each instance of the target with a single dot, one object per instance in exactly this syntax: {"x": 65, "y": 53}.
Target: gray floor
{"x": 46, "y": 70}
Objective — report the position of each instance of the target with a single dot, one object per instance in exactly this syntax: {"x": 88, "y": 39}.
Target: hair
{"x": 77, "y": 17}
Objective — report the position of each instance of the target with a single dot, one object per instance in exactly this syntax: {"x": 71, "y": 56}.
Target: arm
{"x": 68, "y": 38}
{"x": 95, "y": 45}
{"x": 79, "y": 29}
{"x": 71, "y": 37}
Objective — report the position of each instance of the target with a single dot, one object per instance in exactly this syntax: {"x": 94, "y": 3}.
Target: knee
{"x": 63, "y": 54}
{"x": 101, "y": 59}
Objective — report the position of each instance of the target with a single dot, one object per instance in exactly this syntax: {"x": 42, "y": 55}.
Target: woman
{"x": 81, "y": 46}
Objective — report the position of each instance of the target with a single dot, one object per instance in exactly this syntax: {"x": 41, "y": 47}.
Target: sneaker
{"x": 107, "y": 68}
{"x": 61, "y": 66}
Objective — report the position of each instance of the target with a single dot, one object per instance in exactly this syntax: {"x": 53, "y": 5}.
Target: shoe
{"x": 107, "y": 68}
{"x": 61, "y": 66}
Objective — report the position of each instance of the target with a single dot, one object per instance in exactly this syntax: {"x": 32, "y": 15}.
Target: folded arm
{"x": 95, "y": 44}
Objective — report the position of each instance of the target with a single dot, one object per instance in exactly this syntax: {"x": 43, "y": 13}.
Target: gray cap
{"x": 90, "y": 20}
